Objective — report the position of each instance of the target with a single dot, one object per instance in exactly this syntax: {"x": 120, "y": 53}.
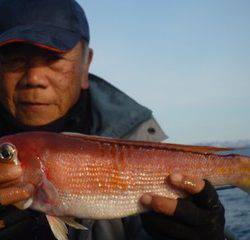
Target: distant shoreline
{"x": 235, "y": 144}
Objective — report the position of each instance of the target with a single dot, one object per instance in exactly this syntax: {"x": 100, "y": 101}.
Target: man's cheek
{"x": 69, "y": 86}
{"x": 7, "y": 91}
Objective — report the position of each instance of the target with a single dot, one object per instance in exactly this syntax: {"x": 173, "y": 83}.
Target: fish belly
{"x": 108, "y": 206}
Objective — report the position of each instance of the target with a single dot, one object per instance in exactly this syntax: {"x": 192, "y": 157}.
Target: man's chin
{"x": 36, "y": 120}
{"x": 32, "y": 123}
{"x": 37, "y": 115}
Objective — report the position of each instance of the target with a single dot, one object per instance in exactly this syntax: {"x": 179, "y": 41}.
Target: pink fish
{"x": 101, "y": 178}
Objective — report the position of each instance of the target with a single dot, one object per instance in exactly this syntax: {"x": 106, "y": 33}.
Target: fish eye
{"x": 7, "y": 152}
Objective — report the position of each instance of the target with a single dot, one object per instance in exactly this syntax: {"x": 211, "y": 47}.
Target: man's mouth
{"x": 28, "y": 106}
{"x": 27, "y": 103}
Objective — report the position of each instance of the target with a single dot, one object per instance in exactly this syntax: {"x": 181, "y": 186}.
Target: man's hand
{"x": 200, "y": 216}
{"x": 15, "y": 223}
{"x": 12, "y": 191}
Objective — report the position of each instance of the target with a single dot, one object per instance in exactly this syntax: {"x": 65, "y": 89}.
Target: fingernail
{"x": 176, "y": 177}
{"x": 146, "y": 199}
{"x": 190, "y": 184}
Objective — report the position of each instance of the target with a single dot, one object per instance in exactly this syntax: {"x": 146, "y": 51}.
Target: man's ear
{"x": 87, "y": 63}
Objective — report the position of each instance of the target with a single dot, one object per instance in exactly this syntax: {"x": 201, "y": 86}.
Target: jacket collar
{"x": 114, "y": 114}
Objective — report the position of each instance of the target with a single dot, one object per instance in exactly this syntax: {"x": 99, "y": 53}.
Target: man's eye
{"x": 51, "y": 58}
{"x": 13, "y": 63}
{"x": 14, "y": 60}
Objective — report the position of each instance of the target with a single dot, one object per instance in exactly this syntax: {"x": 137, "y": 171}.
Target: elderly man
{"x": 46, "y": 86}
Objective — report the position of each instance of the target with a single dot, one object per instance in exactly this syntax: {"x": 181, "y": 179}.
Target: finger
{"x": 9, "y": 172}
{"x": 13, "y": 195}
{"x": 190, "y": 184}
{"x": 160, "y": 226}
{"x": 159, "y": 204}
{"x": 14, "y": 182}
{"x": 203, "y": 193}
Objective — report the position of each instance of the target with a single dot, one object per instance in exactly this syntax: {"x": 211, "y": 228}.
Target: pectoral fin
{"x": 47, "y": 195}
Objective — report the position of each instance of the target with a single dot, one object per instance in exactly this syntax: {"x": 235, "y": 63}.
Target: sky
{"x": 188, "y": 61}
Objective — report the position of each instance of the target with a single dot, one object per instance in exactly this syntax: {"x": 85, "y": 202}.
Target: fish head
{"x": 23, "y": 150}
{"x": 30, "y": 151}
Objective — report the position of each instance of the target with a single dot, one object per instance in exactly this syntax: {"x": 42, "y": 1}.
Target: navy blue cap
{"x": 53, "y": 24}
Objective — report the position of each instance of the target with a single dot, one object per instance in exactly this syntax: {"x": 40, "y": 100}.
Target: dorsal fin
{"x": 170, "y": 146}
{"x": 202, "y": 149}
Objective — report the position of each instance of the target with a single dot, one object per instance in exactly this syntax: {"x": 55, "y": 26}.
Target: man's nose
{"x": 35, "y": 76}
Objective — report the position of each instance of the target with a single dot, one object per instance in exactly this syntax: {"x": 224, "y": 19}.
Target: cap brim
{"x": 51, "y": 38}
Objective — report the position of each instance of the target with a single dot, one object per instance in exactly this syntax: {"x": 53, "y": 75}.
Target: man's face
{"x": 38, "y": 86}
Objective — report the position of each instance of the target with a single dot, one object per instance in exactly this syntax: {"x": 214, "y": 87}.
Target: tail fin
{"x": 243, "y": 180}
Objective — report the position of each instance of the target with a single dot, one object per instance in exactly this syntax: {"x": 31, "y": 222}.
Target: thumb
{"x": 189, "y": 184}
{"x": 159, "y": 204}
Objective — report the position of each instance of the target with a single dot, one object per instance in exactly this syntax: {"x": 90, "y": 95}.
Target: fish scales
{"x": 113, "y": 176}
